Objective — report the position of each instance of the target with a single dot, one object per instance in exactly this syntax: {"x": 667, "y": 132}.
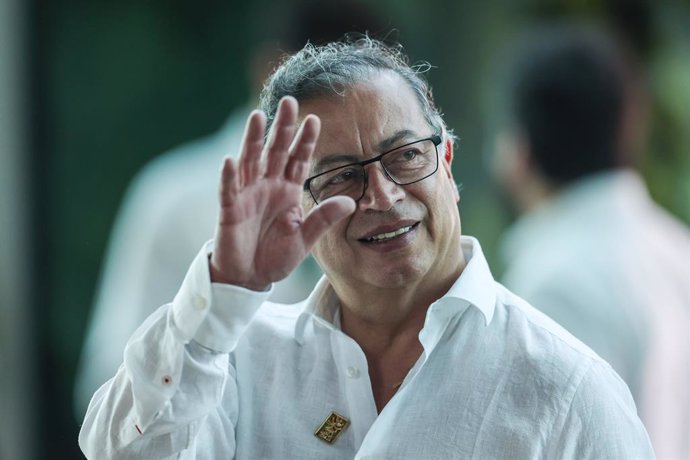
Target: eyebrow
{"x": 348, "y": 158}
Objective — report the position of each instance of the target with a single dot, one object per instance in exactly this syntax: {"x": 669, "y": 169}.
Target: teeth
{"x": 389, "y": 235}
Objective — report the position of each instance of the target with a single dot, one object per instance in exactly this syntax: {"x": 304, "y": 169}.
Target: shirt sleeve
{"x": 175, "y": 372}
{"x": 602, "y": 421}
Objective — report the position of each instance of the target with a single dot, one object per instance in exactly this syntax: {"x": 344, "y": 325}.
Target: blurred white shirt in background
{"x": 613, "y": 268}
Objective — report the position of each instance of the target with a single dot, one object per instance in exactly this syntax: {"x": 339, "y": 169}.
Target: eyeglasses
{"x": 404, "y": 165}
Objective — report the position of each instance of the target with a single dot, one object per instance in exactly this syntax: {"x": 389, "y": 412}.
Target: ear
{"x": 448, "y": 157}
{"x": 447, "y": 162}
{"x": 516, "y": 172}
{"x": 511, "y": 160}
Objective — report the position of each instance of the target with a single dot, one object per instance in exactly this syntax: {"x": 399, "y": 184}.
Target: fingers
{"x": 284, "y": 156}
{"x": 297, "y": 167}
{"x": 229, "y": 183}
{"x": 252, "y": 145}
{"x": 281, "y": 135}
{"x": 324, "y": 216}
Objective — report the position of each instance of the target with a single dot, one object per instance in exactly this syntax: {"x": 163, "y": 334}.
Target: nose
{"x": 381, "y": 193}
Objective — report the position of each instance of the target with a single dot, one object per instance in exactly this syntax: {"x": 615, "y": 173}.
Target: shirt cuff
{"x": 212, "y": 314}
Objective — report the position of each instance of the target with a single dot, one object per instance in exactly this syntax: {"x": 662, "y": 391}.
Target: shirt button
{"x": 167, "y": 380}
{"x": 352, "y": 372}
{"x": 199, "y": 303}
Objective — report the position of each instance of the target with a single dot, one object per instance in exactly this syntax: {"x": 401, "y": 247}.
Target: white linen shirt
{"x": 220, "y": 373}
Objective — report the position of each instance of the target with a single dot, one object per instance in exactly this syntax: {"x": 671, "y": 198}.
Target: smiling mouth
{"x": 381, "y": 237}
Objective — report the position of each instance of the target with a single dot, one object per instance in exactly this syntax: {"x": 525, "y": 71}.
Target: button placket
{"x": 352, "y": 365}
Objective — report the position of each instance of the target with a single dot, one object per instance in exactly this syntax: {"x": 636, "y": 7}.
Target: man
{"x": 592, "y": 250}
{"x": 406, "y": 348}
{"x": 170, "y": 208}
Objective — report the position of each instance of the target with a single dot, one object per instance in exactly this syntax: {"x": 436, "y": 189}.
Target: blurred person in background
{"x": 170, "y": 208}
{"x": 591, "y": 249}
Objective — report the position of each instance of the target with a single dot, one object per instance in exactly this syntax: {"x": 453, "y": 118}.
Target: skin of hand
{"x": 262, "y": 233}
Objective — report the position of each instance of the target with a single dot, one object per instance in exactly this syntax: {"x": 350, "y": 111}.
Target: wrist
{"x": 219, "y": 276}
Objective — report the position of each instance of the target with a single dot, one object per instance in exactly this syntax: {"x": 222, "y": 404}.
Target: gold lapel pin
{"x": 331, "y": 428}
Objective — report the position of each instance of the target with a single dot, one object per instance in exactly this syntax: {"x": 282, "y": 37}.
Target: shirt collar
{"x": 474, "y": 287}
{"x": 322, "y": 305}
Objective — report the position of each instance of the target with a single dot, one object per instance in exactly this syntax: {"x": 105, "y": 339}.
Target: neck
{"x": 379, "y": 319}
{"x": 386, "y": 326}
{"x": 534, "y": 192}
{"x": 385, "y": 321}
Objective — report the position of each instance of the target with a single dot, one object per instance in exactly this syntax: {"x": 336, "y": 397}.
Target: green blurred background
{"x": 94, "y": 89}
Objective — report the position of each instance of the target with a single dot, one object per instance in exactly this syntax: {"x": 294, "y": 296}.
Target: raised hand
{"x": 262, "y": 234}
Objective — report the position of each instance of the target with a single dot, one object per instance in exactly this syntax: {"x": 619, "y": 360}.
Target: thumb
{"x": 324, "y": 216}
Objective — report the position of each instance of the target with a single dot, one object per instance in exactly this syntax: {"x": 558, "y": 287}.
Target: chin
{"x": 395, "y": 277}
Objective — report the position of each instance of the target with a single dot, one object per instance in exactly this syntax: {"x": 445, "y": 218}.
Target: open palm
{"x": 262, "y": 234}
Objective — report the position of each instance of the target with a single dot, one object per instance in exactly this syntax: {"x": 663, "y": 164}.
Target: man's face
{"x": 420, "y": 220}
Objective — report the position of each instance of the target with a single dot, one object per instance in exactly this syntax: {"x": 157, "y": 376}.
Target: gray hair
{"x": 318, "y": 71}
